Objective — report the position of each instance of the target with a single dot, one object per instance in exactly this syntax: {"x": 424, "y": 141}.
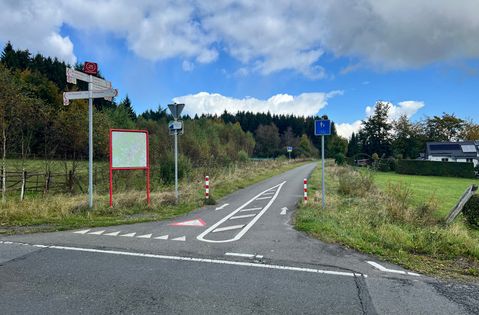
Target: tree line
{"x": 403, "y": 138}
{"x": 34, "y": 122}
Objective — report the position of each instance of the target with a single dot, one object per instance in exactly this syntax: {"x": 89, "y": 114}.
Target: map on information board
{"x": 129, "y": 149}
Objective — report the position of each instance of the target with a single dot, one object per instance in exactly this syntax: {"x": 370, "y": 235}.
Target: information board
{"x": 129, "y": 149}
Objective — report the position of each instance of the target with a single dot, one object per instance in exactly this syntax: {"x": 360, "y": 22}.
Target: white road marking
{"x": 223, "y": 206}
{"x": 240, "y": 255}
{"x": 228, "y": 228}
{"x": 82, "y": 232}
{"x": 263, "y": 198}
{"x": 129, "y": 235}
{"x": 113, "y": 233}
{"x": 145, "y": 236}
{"x": 97, "y": 232}
{"x": 164, "y": 237}
{"x": 249, "y": 225}
{"x": 181, "y": 239}
{"x": 384, "y": 269}
{"x": 243, "y": 216}
{"x": 283, "y": 211}
{"x": 250, "y": 209}
{"x": 202, "y": 260}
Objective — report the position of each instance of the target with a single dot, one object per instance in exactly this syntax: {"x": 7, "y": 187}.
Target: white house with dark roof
{"x": 464, "y": 151}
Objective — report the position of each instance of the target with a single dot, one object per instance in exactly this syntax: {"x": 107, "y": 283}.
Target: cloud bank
{"x": 264, "y": 36}
{"x": 306, "y": 104}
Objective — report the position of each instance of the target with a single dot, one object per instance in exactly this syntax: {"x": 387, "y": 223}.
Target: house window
{"x": 469, "y": 160}
{"x": 445, "y": 159}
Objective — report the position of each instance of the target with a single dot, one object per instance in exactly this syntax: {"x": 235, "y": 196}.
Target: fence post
{"x": 47, "y": 182}
{"x": 207, "y": 187}
{"x": 24, "y": 185}
{"x": 70, "y": 181}
{"x": 305, "y": 182}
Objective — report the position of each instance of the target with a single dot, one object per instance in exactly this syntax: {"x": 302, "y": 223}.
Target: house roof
{"x": 463, "y": 149}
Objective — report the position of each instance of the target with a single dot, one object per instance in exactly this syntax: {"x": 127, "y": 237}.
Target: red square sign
{"x": 90, "y": 68}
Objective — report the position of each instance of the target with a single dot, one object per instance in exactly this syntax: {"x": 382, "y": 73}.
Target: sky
{"x": 309, "y": 57}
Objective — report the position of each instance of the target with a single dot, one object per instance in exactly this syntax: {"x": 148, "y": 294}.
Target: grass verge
{"x": 393, "y": 220}
{"x": 62, "y": 212}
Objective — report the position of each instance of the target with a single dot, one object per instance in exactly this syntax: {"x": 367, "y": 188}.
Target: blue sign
{"x": 290, "y": 149}
{"x": 322, "y": 127}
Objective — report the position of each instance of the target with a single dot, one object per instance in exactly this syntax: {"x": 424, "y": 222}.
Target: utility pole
{"x": 176, "y": 128}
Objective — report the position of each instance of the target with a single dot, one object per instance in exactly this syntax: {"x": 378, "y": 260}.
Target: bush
{"x": 243, "y": 156}
{"x": 340, "y": 159}
{"x": 471, "y": 210}
{"x": 433, "y": 168}
{"x": 354, "y": 183}
{"x": 383, "y": 166}
{"x": 167, "y": 169}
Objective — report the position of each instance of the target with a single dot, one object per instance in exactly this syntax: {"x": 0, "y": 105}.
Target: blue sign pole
{"x": 322, "y": 128}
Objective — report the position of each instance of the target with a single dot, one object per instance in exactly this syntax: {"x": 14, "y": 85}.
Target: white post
{"x": 322, "y": 171}
{"x": 207, "y": 187}
{"x": 90, "y": 142}
{"x": 176, "y": 165}
{"x": 305, "y": 188}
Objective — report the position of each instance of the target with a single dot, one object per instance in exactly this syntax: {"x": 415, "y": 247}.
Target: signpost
{"x": 322, "y": 128}
{"x": 129, "y": 150}
{"x": 97, "y": 88}
{"x": 289, "y": 149}
{"x": 176, "y": 128}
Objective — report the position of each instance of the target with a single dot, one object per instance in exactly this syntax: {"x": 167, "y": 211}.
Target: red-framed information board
{"x": 129, "y": 150}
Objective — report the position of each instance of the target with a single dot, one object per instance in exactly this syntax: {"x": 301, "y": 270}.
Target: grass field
{"x": 396, "y": 217}
{"x": 445, "y": 190}
{"x": 63, "y": 211}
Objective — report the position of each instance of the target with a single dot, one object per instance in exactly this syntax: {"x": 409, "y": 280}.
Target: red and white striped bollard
{"x": 305, "y": 190}
{"x": 207, "y": 187}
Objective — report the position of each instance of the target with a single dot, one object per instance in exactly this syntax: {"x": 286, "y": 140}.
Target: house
{"x": 464, "y": 151}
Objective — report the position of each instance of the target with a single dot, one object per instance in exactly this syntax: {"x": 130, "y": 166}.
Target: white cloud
{"x": 306, "y": 104}
{"x": 265, "y": 36}
{"x": 408, "y": 108}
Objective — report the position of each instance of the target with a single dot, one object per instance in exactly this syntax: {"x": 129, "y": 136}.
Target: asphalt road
{"x": 240, "y": 256}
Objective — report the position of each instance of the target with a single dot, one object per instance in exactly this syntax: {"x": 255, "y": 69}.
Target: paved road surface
{"x": 238, "y": 257}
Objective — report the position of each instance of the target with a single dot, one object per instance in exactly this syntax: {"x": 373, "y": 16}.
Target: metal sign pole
{"x": 90, "y": 142}
{"x": 322, "y": 172}
{"x": 176, "y": 165}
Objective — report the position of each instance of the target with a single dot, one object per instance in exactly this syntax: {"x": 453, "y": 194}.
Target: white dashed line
{"x": 164, "y": 237}
{"x": 145, "y": 236}
{"x": 251, "y": 256}
{"x": 113, "y": 233}
{"x": 97, "y": 232}
{"x": 243, "y": 216}
{"x": 181, "y": 239}
{"x": 250, "y": 209}
{"x": 263, "y": 198}
{"x": 228, "y": 228}
{"x": 223, "y": 206}
{"x": 82, "y": 232}
{"x": 129, "y": 235}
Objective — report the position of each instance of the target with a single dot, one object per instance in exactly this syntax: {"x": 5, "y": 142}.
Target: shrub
{"x": 354, "y": 183}
{"x": 471, "y": 210}
{"x": 433, "y": 168}
{"x": 340, "y": 159}
{"x": 383, "y": 166}
{"x": 392, "y": 164}
{"x": 243, "y": 156}
{"x": 167, "y": 169}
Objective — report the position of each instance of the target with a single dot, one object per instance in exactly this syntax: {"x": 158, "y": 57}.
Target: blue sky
{"x": 306, "y": 58}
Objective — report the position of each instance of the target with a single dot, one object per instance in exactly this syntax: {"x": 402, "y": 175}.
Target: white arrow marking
{"x": 182, "y": 239}
{"x": 113, "y": 233}
{"x": 97, "y": 232}
{"x": 384, "y": 269}
{"x": 82, "y": 232}
{"x": 129, "y": 235}
{"x": 145, "y": 236}
{"x": 283, "y": 211}
{"x": 164, "y": 237}
{"x": 223, "y": 206}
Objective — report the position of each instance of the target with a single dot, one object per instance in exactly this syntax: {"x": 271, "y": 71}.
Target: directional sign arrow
{"x": 283, "y": 210}
{"x": 67, "y": 96}
{"x": 98, "y": 84}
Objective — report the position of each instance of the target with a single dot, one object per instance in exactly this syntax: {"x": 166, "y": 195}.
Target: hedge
{"x": 433, "y": 168}
{"x": 471, "y": 210}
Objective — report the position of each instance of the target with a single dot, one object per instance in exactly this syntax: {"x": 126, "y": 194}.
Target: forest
{"x": 35, "y": 123}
